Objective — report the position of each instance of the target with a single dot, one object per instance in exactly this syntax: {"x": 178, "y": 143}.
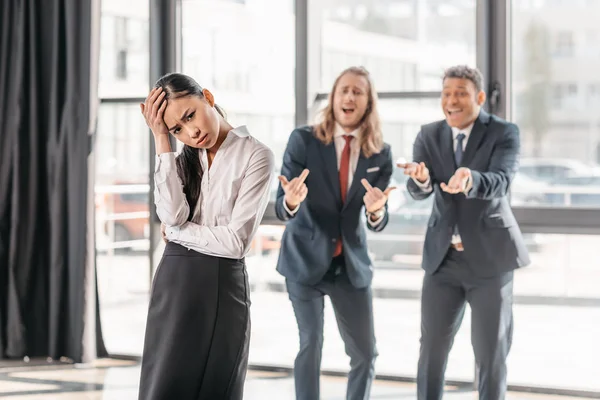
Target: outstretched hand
{"x": 417, "y": 171}
{"x": 459, "y": 181}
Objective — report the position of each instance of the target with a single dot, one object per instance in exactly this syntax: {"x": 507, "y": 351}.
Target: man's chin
{"x": 349, "y": 126}
{"x": 456, "y": 123}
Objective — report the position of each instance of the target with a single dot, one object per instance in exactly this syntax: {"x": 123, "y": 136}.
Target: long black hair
{"x": 189, "y": 169}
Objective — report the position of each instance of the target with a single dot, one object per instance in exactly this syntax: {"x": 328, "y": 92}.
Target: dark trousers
{"x": 198, "y": 329}
{"x": 353, "y": 310}
{"x": 444, "y": 297}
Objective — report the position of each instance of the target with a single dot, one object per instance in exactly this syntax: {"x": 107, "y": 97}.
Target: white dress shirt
{"x": 426, "y": 186}
{"x": 234, "y": 196}
{"x": 340, "y": 143}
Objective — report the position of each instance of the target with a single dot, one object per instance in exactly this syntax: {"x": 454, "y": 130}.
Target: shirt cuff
{"x": 375, "y": 223}
{"x": 180, "y": 235}
{"x": 290, "y": 212}
{"x": 425, "y": 186}
{"x": 172, "y": 232}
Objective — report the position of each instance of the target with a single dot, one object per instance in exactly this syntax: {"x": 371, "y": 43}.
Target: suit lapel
{"x": 331, "y": 169}
{"x": 475, "y": 138}
{"x": 359, "y": 174}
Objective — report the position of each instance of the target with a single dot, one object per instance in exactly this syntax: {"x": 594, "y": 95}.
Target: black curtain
{"x": 44, "y": 146}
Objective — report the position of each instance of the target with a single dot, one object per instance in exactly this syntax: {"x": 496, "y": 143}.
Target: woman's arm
{"x": 233, "y": 240}
{"x": 171, "y": 205}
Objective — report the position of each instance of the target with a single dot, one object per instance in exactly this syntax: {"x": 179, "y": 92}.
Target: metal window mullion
{"x": 301, "y": 62}
{"x": 164, "y": 45}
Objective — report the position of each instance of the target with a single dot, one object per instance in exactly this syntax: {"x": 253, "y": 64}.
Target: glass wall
{"x": 555, "y": 101}
{"x": 243, "y": 51}
{"x": 124, "y": 53}
{"x": 405, "y": 44}
{"x": 556, "y": 313}
{"x": 556, "y": 98}
{"x": 121, "y": 181}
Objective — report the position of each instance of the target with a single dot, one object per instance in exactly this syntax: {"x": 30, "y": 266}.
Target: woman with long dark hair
{"x": 211, "y": 199}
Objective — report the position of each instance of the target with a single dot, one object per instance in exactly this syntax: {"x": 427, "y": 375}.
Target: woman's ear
{"x": 209, "y": 97}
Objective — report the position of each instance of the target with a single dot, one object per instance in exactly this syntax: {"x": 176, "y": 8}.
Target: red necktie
{"x": 344, "y": 170}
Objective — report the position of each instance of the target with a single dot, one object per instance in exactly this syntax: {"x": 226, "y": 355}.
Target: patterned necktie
{"x": 344, "y": 171}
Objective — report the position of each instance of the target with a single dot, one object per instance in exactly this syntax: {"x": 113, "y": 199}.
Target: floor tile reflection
{"x": 118, "y": 380}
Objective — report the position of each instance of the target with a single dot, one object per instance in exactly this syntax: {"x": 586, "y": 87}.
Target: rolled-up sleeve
{"x": 171, "y": 205}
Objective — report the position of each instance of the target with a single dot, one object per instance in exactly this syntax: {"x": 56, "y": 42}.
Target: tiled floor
{"x": 117, "y": 380}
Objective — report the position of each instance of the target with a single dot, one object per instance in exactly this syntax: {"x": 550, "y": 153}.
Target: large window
{"x": 244, "y": 53}
{"x": 405, "y": 44}
{"x": 121, "y": 182}
{"x": 124, "y": 65}
{"x": 557, "y": 305}
{"x": 553, "y": 64}
{"x": 555, "y": 60}
{"x": 122, "y": 225}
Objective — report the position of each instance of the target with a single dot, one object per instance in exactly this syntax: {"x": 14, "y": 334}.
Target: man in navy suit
{"x": 473, "y": 243}
{"x": 324, "y": 246}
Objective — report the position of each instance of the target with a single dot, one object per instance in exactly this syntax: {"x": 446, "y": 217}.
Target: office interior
{"x": 80, "y": 240}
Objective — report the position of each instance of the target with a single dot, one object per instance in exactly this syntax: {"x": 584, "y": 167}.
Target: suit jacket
{"x": 492, "y": 240}
{"x": 310, "y": 236}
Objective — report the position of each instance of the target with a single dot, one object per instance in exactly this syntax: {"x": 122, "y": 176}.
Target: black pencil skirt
{"x": 198, "y": 328}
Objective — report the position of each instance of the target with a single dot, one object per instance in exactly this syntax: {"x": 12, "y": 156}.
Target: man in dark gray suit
{"x": 473, "y": 243}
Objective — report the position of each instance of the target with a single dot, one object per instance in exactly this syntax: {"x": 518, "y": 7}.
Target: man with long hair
{"x": 331, "y": 172}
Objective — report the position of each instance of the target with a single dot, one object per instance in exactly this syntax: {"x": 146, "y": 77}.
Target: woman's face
{"x": 193, "y": 120}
